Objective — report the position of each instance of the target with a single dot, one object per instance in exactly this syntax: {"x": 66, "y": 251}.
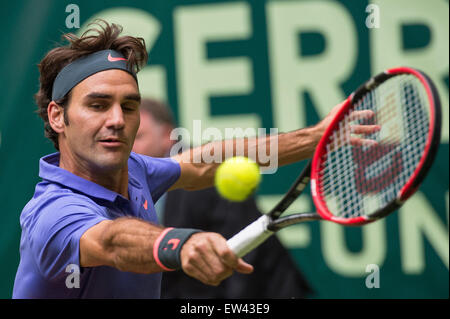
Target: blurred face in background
{"x": 153, "y": 137}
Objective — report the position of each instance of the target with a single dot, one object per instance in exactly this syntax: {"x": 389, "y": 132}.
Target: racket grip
{"x": 251, "y": 236}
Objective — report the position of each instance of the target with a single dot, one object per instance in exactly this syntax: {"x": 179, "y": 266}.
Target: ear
{"x": 56, "y": 117}
{"x": 167, "y": 142}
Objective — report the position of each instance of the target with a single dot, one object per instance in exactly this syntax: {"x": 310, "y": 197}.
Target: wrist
{"x": 308, "y": 139}
{"x": 168, "y": 245}
{"x": 317, "y": 132}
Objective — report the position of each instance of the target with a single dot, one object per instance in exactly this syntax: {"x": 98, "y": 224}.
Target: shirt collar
{"x": 49, "y": 170}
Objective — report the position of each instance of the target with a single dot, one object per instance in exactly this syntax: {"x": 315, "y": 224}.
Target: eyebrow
{"x": 97, "y": 95}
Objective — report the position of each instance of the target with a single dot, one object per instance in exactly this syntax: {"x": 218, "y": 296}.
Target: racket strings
{"x": 358, "y": 180}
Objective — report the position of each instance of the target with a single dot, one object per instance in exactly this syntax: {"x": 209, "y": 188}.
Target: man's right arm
{"x": 127, "y": 244}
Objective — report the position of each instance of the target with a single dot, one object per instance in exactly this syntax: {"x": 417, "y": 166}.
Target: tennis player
{"x": 94, "y": 208}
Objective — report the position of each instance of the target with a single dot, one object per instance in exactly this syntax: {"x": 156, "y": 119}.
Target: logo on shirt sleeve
{"x": 145, "y": 205}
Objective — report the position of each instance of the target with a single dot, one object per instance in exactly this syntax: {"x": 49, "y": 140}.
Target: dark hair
{"x": 158, "y": 110}
{"x": 106, "y": 36}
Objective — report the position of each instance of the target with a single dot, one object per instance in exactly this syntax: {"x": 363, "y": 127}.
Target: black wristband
{"x": 167, "y": 247}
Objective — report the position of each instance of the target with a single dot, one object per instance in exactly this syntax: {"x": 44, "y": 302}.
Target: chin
{"x": 112, "y": 162}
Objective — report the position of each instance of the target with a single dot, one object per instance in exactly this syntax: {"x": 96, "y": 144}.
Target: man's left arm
{"x": 291, "y": 147}
{"x": 196, "y": 173}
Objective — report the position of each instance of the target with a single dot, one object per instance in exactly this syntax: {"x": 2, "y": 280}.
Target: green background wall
{"x": 254, "y": 63}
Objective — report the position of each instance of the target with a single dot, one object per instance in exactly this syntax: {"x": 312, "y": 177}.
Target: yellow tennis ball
{"x": 237, "y": 178}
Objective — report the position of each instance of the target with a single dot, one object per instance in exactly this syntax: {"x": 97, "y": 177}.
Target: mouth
{"x": 111, "y": 142}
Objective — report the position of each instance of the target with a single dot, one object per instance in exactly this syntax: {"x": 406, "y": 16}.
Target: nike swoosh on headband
{"x": 113, "y": 59}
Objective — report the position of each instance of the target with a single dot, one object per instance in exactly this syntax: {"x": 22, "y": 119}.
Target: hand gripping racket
{"x": 357, "y": 179}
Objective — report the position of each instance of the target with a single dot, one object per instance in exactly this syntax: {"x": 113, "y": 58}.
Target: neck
{"x": 115, "y": 180}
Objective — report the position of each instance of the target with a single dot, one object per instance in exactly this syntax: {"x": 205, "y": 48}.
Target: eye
{"x": 129, "y": 107}
{"x": 96, "y": 106}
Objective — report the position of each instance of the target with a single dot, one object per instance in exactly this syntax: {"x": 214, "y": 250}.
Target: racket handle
{"x": 251, "y": 236}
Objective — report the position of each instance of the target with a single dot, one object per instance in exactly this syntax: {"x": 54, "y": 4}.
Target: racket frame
{"x": 419, "y": 173}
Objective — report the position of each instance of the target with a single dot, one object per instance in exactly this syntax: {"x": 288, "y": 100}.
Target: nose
{"x": 115, "y": 118}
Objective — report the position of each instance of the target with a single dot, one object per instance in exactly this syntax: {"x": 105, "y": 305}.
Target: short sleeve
{"x": 160, "y": 173}
{"x": 55, "y": 234}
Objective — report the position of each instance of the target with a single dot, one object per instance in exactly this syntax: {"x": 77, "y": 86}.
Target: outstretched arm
{"x": 196, "y": 173}
{"x": 127, "y": 244}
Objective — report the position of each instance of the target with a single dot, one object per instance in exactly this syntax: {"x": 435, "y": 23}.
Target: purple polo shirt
{"x": 63, "y": 207}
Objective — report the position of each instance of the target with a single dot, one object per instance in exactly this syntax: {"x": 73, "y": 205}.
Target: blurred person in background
{"x": 205, "y": 209}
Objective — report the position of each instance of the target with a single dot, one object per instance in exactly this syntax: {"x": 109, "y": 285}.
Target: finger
{"x": 226, "y": 254}
{"x": 195, "y": 262}
{"x": 194, "y": 266}
{"x": 244, "y": 267}
{"x": 365, "y": 129}
{"x": 196, "y": 272}
{"x": 361, "y": 115}
{"x": 206, "y": 274}
{"x": 209, "y": 261}
{"x": 218, "y": 268}
{"x": 355, "y": 141}
{"x": 232, "y": 261}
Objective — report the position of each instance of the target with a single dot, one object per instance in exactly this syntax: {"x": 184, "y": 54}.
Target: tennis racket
{"x": 356, "y": 179}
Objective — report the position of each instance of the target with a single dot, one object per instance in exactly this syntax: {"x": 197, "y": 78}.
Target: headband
{"x": 80, "y": 69}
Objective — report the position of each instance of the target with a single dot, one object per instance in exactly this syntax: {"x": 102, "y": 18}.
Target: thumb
{"x": 243, "y": 267}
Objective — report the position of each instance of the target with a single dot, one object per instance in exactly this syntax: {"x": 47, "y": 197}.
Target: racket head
{"x": 358, "y": 184}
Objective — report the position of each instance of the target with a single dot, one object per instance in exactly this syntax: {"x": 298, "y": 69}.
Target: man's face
{"x": 103, "y": 117}
{"x": 153, "y": 138}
